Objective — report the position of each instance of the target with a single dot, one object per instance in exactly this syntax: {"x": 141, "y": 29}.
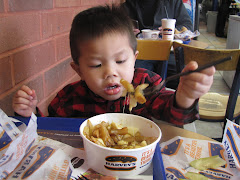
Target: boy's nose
{"x": 109, "y": 72}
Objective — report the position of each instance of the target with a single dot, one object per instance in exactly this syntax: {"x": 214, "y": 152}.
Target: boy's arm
{"x": 182, "y": 106}
{"x": 163, "y": 105}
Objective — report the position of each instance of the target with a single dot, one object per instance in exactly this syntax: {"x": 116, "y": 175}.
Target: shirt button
{"x": 112, "y": 108}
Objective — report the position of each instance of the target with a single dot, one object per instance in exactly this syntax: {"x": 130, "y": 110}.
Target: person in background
{"x": 101, "y": 64}
{"x": 149, "y": 14}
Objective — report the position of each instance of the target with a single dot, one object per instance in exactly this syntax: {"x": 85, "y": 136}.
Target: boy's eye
{"x": 120, "y": 61}
{"x": 96, "y": 66}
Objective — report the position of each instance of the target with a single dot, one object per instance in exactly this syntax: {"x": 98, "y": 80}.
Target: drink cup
{"x": 150, "y": 34}
{"x": 155, "y": 34}
{"x": 168, "y": 27}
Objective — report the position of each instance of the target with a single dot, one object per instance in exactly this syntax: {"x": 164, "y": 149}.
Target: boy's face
{"x": 104, "y": 61}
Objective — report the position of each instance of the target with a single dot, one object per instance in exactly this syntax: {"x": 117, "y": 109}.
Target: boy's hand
{"x": 193, "y": 86}
{"x": 25, "y": 101}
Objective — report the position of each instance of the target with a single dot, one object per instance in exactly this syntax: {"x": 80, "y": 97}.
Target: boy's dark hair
{"x": 96, "y": 22}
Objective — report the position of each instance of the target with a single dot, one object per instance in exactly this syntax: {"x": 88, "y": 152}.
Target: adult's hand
{"x": 136, "y": 31}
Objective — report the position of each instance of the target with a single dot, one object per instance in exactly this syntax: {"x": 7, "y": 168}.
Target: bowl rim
{"x": 121, "y": 150}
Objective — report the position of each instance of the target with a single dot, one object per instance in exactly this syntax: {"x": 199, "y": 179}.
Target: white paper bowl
{"x": 121, "y": 162}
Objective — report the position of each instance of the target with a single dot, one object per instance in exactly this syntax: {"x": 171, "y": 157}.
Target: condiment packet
{"x": 178, "y": 152}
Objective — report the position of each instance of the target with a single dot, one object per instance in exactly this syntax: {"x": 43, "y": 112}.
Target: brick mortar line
{"x": 5, "y": 4}
{"x": 7, "y": 13}
{"x": 29, "y": 79}
{"x": 31, "y": 45}
{"x": 12, "y": 71}
{"x": 46, "y": 98}
{"x": 59, "y": 88}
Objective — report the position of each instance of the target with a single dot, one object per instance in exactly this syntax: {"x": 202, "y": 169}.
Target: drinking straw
{"x": 166, "y": 11}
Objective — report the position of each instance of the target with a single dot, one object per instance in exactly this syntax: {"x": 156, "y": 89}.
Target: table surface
{"x": 198, "y": 44}
{"x": 66, "y": 130}
{"x": 170, "y": 131}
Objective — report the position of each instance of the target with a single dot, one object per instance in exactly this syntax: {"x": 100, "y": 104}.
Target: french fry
{"x": 86, "y": 132}
{"x": 139, "y": 137}
{"x": 113, "y": 126}
{"x": 104, "y": 135}
{"x": 184, "y": 29}
{"x": 143, "y": 143}
{"x": 89, "y": 124}
{"x": 116, "y": 136}
{"x": 122, "y": 143}
{"x": 122, "y": 131}
{"x": 98, "y": 141}
{"x": 129, "y": 87}
{"x": 136, "y": 95}
{"x": 129, "y": 139}
{"x": 176, "y": 31}
{"x": 132, "y": 102}
{"x": 96, "y": 133}
{"x": 139, "y": 93}
{"x": 132, "y": 131}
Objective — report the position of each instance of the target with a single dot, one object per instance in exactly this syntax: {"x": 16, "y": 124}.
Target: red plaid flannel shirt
{"x": 77, "y": 100}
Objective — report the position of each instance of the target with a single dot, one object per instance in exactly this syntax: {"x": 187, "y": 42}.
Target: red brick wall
{"x": 34, "y": 47}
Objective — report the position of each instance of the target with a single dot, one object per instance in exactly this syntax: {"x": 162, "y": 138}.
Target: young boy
{"x": 103, "y": 48}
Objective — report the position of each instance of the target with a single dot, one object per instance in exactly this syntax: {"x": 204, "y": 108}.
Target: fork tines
{"x": 82, "y": 177}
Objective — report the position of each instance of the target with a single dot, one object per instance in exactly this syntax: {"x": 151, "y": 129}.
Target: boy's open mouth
{"x": 112, "y": 89}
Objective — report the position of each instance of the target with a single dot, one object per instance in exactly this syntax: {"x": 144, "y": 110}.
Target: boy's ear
{"x": 76, "y": 68}
{"x": 136, "y": 54}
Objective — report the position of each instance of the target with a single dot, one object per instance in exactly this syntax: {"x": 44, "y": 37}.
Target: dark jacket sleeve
{"x": 130, "y": 8}
{"x": 182, "y": 16}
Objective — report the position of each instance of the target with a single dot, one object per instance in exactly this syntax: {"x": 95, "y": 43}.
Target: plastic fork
{"x": 82, "y": 177}
{"x": 152, "y": 90}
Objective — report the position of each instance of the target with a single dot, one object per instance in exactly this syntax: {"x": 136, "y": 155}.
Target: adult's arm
{"x": 130, "y": 8}
{"x": 182, "y": 16}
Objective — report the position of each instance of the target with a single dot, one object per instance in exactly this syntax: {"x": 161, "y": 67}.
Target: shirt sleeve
{"x": 163, "y": 106}
{"x": 61, "y": 104}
